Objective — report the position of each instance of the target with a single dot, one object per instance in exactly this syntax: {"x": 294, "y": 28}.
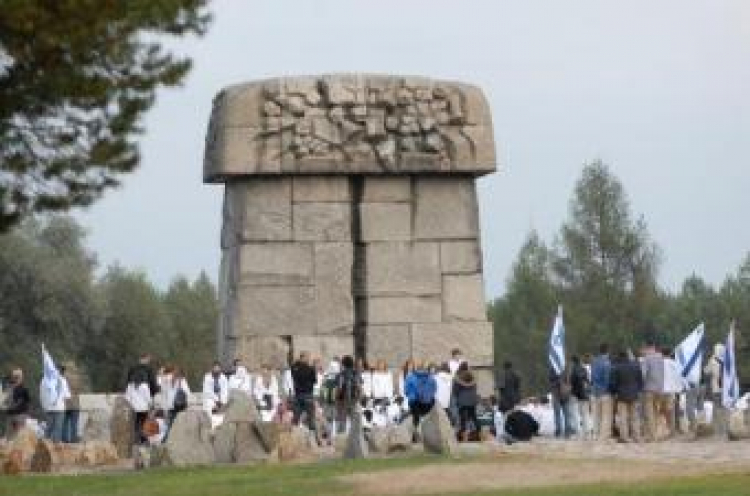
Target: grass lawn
{"x": 323, "y": 478}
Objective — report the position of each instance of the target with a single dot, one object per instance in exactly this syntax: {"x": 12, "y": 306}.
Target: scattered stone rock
{"x": 377, "y": 440}
{"x": 240, "y": 408}
{"x": 224, "y": 442}
{"x": 400, "y": 436}
{"x": 704, "y": 430}
{"x": 437, "y": 434}
{"x": 738, "y": 429}
{"x": 24, "y": 441}
{"x": 189, "y": 442}
{"x": 42, "y": 460}
{"x": 295, "y": 443}
{"x": 248, "y": 445}
{"x": 97, "y": 453}
{"x": 356, "y": 447}
{"x": 97, "y": 426}
{"x": 121, "y": 427}
{"x": 268, "y": 432}
{"x": 14, "y": 464}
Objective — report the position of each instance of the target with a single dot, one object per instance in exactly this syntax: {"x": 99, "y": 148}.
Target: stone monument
{"x": 350, "y": 220}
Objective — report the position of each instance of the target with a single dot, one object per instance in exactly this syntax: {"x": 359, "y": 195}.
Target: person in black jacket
{"x": 520, "y": 426}
{"x": 508, "y": 385}
{"x": 466, "y": 399}
{"x": 580, "y": 387}
{"x": 626, "y": 384}
{"x": 18, "y": 404}
{"x": 304, "y": 378}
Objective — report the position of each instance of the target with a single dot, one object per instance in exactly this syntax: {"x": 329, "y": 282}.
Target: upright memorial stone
{"x": 350, "y": 217}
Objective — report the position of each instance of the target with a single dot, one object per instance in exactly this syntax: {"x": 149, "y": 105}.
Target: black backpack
{"x": 348, "y": 387}
{"x": 180, "y": 400}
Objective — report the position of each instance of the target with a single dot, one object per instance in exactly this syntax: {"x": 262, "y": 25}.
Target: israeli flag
{"x": 557, "y": 344}
{"x": 730, "y": 391}
{"x": 689, "y": 355}
{"x": 51, "y": 377}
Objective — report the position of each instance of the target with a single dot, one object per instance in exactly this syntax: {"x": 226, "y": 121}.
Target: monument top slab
{"x": 349, "y": 125}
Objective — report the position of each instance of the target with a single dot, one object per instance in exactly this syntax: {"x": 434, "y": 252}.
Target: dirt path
{"x": 548, "y": 463}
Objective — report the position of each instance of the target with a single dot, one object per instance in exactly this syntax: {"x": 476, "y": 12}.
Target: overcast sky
{"x": 660, "y": 90}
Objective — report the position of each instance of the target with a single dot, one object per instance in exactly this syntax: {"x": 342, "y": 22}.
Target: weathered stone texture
{"x": 276, "y": 264}
{"x": 403, "y": 269}
{"x": 344, "y": 124}
{"x": 434, "y": 341}
{"x": 391, "y": 343}
{"x": 446, "y": 208}
{"x": 404, "y": 309}
{"x": 322, "y": 221}
{"x": 351, "y": 218}
{"x": 334, "y": 302}
{"x": 321, "y": 189}
{"x": 385, "y": 221}
{"x": 387, "y": 189}
{"x": 276, "y": 311}
{"x": 463, "y": 298}
{"x": 460, "y": 257}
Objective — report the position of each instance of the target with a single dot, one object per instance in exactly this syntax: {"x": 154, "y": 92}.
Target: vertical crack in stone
{"x": 359, "y": 268}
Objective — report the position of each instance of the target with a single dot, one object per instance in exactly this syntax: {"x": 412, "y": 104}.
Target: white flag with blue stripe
{"x": 557, "y": 344}
{"x": 50, "y": 386}
{"x": 730, "y": 391}
{"x": 689, "y": 355}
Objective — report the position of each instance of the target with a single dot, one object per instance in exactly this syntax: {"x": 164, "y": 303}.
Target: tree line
{"x": 50, "y": 293}
{"x": 602, "y": 266}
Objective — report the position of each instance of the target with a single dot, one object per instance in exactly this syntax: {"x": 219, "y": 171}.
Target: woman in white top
{"x": 266, "y": 392}
{"x": 382, "y": 384}
{"x": 365, "y": 373}
{"x": 241, "y": 380}
{"x": 444, "y": 382}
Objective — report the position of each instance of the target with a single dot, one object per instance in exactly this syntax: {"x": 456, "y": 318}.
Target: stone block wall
{"x": 350, "y": 219}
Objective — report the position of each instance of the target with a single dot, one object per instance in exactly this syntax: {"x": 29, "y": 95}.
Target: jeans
{"x": 70, "y": 426}
{"x": 572, "y": 421}
{"x": 304, "y": 403}
{"x": 584, "y": 414}
{"x": 54, "y": 430}
{"x": 467, "y": 414}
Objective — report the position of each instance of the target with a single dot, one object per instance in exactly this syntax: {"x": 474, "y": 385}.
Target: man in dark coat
{"x": 626, "y": 385}
{"x": 508, "y": 386}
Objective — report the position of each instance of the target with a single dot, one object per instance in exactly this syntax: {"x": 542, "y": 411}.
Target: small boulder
{"x": 356, "y": 446}
{"x": 14, "y": 464}
{"x": 268, "y": 432}
{"x": 240, "y": 408}
{"x": 42, "y": 461}
{"x": 400, "y": 436}
{"x": 248, "y": 445}
{"x": 189, "y": 442}
{"x": 295, "y": 443}
{"x": 97, "y": 426}
{"x": 224, "y": 442}
{"x": 377, "y": 440}
{"x": 121, "y": 427}
{"x": 438, "y": 436}
{"x": 24, "y": 440}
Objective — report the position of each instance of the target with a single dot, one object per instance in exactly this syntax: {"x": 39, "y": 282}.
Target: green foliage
{"x": 81, "y": 75}
{"x": 49, "y": 294}
{"x": 603, "y": 269}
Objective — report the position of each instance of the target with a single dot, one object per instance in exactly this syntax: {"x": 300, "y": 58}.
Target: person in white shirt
{"x": 365, "y": 375}
{"x": 266, "y": 392}
{"x": 52, "y": 395}
{"x": 444, "y": 381}
{"x": 215, "y": 389}
{"x": 241, "y": 379}
{"x": 456, "y": 360}
{"x": 674, "y": 385}
{"x": 174, "y": 400}
{"x": 382, "y": 384}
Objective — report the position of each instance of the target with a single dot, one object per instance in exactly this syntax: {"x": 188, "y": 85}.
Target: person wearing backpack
{"x": 420, "y": 388}
{"x": 348, "y": 393}
{"x": 177, "y": 396}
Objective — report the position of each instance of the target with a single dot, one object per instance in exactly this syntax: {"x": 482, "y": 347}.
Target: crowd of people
{"x": 603, "y": 397}
{"x": 635, "y": 398}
